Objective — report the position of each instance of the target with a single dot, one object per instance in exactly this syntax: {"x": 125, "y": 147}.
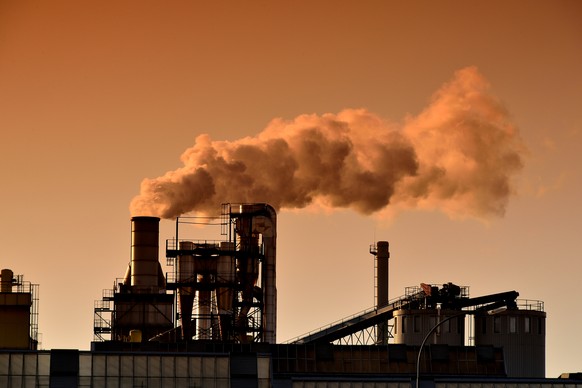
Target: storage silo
{"x": 522, "y": 334}
{"x": 411, "y": 326}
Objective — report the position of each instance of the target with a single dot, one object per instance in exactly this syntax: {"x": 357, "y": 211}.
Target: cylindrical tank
{"x": 144, "y": 252}
{"x": 206, "y": 262}
{"x": 521, "y": 333}
{"x": 411, "y": 326}
{"x": 135, "y": 336}
{"x": 6, "y": 278}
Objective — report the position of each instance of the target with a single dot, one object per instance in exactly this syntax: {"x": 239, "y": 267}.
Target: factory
{"x": 210, "y": 321}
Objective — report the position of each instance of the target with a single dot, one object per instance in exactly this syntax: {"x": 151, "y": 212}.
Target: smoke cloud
{"x": 459, "y": 155}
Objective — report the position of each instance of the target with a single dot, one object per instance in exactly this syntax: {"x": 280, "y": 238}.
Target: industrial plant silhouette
{"x": 211, "y": 322}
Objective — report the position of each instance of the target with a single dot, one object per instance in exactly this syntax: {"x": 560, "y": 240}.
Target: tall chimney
{"x": 382, "y": 255}
{"x": 144, "y": 252}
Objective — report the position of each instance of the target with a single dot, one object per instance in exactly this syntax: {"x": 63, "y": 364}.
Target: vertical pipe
{"x": 270, "y": 276}
{"x": 382, "y": 256}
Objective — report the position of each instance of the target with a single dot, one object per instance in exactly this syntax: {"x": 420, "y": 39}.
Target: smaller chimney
{"x": 381, "y": 255}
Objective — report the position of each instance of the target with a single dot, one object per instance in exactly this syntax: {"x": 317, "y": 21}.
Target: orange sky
{"x": 96, "y": 96}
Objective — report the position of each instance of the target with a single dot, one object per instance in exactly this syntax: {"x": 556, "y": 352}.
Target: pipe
{"x": 270, "y": 275}
{"x": 382, "y": 256}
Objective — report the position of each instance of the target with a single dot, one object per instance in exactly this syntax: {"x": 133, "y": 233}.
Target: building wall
{"x": 73, "y": 368}
{"x": 153, "y": 370}
{"x": 24, "y": 369}
{"x": 391, "y": 383}
{"x": 15, "y": 320}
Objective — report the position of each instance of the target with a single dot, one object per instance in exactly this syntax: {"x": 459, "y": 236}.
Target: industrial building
{"x": 211, "y": 322}
{"x": 18, "y": 312}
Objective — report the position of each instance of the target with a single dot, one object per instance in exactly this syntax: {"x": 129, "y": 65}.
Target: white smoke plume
{"x": 459, "y": 155}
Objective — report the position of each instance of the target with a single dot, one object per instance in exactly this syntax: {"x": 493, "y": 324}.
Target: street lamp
{"x": 468, "y": 312}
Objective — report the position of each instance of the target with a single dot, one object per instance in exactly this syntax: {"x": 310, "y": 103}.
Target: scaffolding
{"x": 102, "y": 315}
{"x": 242, "y": 319}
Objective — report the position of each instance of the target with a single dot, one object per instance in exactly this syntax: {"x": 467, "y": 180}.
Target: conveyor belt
{"x": 375, "y": 316}
{"x": 359, "y": 322}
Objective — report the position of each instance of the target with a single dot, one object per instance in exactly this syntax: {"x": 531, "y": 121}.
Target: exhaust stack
{"x": 145, "y": 265}
{"x": 381, "y": 254}
{"x": 141, "y": 304}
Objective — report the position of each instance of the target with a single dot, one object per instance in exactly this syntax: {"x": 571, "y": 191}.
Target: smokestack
{"x": 144, "y": 253}
{"x": 381, "y": 255}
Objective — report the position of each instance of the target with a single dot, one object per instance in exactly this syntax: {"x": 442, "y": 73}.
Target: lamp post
{"x": 463, "y": 313}
{"x": 428, "y": 335}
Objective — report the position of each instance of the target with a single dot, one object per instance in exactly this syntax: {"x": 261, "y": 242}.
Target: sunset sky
{"x": 96, "y": 96}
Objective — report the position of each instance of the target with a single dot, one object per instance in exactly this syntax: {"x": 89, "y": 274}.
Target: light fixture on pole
{"x": 463, "y": 313}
